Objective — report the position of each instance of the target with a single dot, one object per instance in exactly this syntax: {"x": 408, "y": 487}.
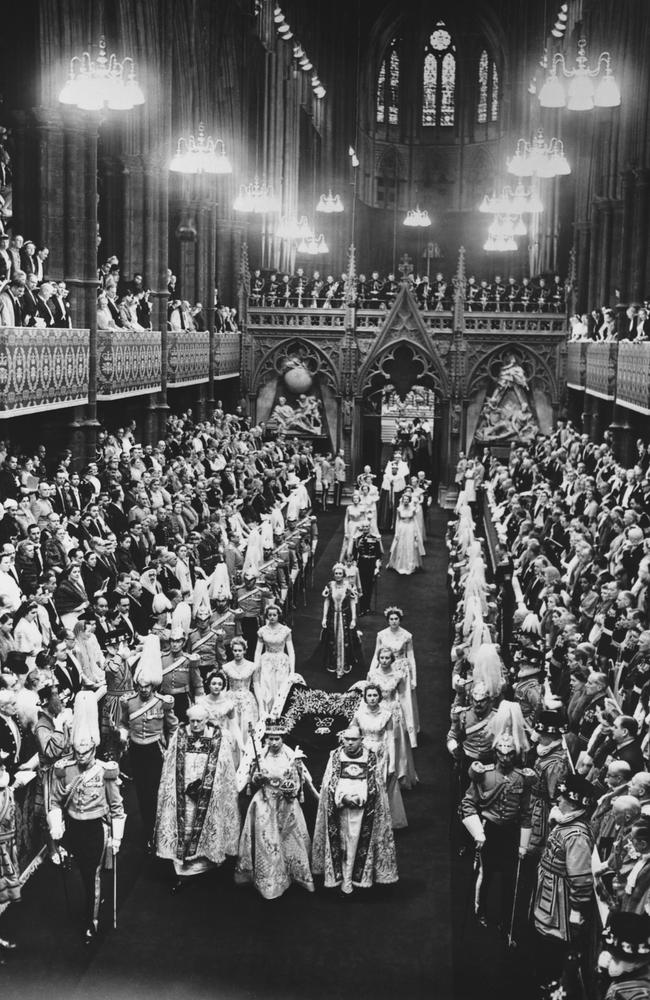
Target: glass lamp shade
{"x": 91, "y": 95}
{"x": 607, "y": 93}
{"x": 580, "y": 93}
{"x": 70, "y": 90}
{"x": 552, "y": 93}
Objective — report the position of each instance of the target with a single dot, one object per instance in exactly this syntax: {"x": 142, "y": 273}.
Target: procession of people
{"x": 168, "y": 699}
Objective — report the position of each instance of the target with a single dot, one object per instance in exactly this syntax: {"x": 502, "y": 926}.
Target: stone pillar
{"x": 605, "y": 253}
{"x": 80, "y": 250}
{"x": 627, "y": 229}
{"x": 39, "y": 181}
{"x": 131, "y": 209}
{"x": 640, "y": 238}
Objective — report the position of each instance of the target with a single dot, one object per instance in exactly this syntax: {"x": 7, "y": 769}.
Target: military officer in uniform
{"x": 252, "y": 598}
{"x": 86, "y": 806}
{"x": 565, "y": 887}
{"x": 366, "y": 550}
{"x": 203, "y": 641}
{"x": 496, "y": 812}
{"x": 470, "y": 736}
{"x": 147, "y": 722}
{"x": 181, "y": 674}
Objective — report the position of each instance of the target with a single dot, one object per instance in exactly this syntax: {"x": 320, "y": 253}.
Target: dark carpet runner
{"x": 218, "y": 940}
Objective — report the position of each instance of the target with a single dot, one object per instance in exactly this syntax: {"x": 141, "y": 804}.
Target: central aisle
{"x": 219, "y": 940}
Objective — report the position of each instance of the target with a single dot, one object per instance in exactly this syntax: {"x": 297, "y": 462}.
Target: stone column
{"x": 624, "y": 437}
{"x": 640, "y": 238}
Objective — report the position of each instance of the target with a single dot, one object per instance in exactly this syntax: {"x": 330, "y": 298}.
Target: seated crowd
{"x": 607, "y": 324}
{"x": 299, "y": 291}
{"x": 563, "y": 680}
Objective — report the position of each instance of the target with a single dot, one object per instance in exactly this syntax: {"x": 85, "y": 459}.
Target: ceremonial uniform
{"x": 182, "y": 680}
{"x": 252, "y": 601}
{"x": 203, "y": 643}
{"x": 502, "y": 800}
{"x": 366, "y": 550}
{"x": 148, "y": 725}
{"x": 89, "y": 797}
{"x": 564, "y": 885}
{"x": 550, "y": 769}
{"x": 471, "y": 734}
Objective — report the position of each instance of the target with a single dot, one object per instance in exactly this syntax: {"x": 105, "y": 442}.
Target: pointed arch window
{"x": 387, "y": 106}
{"x": 439, "y": 78}
{"x": 488, "y": 90}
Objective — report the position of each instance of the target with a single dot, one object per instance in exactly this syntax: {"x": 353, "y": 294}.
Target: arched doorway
{"x": 400, "y": 392}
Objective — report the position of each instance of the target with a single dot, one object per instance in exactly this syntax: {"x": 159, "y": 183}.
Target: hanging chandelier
{"x": 293, "y": 229}
{"x": 539, "y": 158}
{"x": 512, "y": 203}
{"x": 582, "y": 93}
{"x": 417, "y": 218}
{"x": 256, "y": 198}
{"x": 313, "y": 245}
{"x": 502, "y": 232}
{"x": 203, "y": 155}
{"x": 94, "y": 83}
{"x": 329, "y": 203}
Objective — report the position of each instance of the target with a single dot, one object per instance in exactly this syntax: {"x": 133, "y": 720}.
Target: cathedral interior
{"x": 341, "y": 186}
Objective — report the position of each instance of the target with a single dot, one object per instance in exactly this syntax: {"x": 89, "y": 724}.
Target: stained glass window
{"x": 381, "y": 93}
{"x": 494, "y": 110}
{"x": 439, "y": 78}
{"x": 393, "y": 88}
{"x": 430, "y": 90}
{"x": 483, "y": 74}
{"x": 487, "y": 108}
{"x": 387, "y": 107}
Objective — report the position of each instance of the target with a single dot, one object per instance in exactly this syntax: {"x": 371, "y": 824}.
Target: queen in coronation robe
{"x": 275, "y": 843}
{"x": 197, "y": 825}
{"x": 354, "y": 846}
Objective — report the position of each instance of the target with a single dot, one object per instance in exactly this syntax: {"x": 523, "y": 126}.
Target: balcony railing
{"x": 576, "y": 365}
{"x": 188, "y": 357}
{"x": 227, "y": 355}
{"x": 601, "y": 370}
{"x": 42, "y": 369}
{"x": 302, "y": 319}
{"x": 128, "y": 363}
{"x": 633, "y": 376}
{"x": 269, "y": 318}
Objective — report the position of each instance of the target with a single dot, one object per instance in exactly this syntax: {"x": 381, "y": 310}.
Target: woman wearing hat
{"x": 275, "y": 846}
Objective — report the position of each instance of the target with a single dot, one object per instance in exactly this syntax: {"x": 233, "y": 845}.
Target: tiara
{"x": 393, "y": 610}
{"x": 338, "y": 565}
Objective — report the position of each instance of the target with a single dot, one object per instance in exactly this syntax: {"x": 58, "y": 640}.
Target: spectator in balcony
{"x": 642, "y": 325}
{"x": 29, "y": 301}
{"x": 111, "y": 302}
{"x": 59, "y": 305}
{"x": 6, "y": 263}
{"x": 143, "y": 308}
{"x": 198, "y": 318}
{"x": 44, "y": 314}
{"x": 607, "y": 329}
{"x": 105, "y": 319}
{"x": 40, "y": 263}
{"x": 27, "y": 254}
{"x": 175, "y": 315}
{"x": 15, "y": 247}
{"x": 128, "y": 313}
{"x": 11, "y": 310}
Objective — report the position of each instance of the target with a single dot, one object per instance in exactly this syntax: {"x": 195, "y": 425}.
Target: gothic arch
{"x": 537, "y": 369}
{"x": 404, "y": 327}
{"x": 314, "y": 357}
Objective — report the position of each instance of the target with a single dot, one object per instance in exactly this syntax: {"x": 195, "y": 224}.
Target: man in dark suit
{"x": 66, "y": 672}
{"x": 10, "y": 480}
{"x": 59, "y": 305}
{"x": 59, "y": 497}
{"x": 44, "y": 310}
{"x": 29, "y": 301}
